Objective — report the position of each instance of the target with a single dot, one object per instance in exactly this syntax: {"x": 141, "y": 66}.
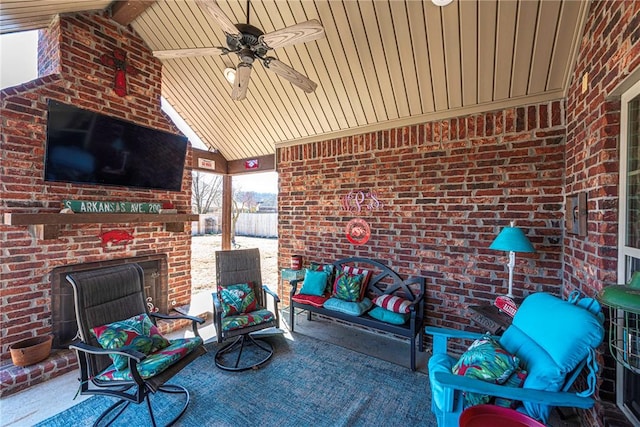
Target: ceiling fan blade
{"x": 284, "y": 71}
{"x": 183, "y": 53}
{"x": 216, "y": 13}
{"x": 241, "y": 82}
{"x": 299, "y": 33}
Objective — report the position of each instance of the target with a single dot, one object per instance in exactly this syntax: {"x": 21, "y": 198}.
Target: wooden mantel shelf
{"x": 46, "y": 225}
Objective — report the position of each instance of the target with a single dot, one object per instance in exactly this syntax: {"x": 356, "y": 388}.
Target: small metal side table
{"x": 490, "y": 317}
{"x": 287, "y": 274}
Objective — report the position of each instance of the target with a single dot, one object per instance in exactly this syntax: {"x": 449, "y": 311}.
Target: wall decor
{"x": 116, "y": 237}
{"x": 576, "y": 213}
{"x": 92, "y": 206}
{"x": 356, "y": 201}
{"x": 252, "y": 164}
{"x": 118, "y": 60}
{"x": 358, "y": 231}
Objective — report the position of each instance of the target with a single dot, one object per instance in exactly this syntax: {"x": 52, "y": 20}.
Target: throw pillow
{"x": 237, "y": 299}
{"x": 388, "y": 316}
{"x": 327, "y": 268}
{"x": 392, "y": 303}
{"x": 137, "y": 332}
{"x": 515, "y": 380}
{"x": 315, "y": 283}
{"x": 366, "y": 276}
{"x": 347, "y": 287}
{"x": 346, "y": 307}
{"x": 485, "y": 360}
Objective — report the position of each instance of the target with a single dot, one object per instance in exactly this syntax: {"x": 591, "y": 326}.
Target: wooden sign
{"x": 92, "y": 206}
{"x": 206, "y": 164}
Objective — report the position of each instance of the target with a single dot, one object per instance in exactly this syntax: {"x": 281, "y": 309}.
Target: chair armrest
{"x": 266, "y": 289}
{"x": 552, "y": 398}
{"x": 415, "y": 302}
{"x": 442, "y": 335}
{"x": 122, "y": 351}
{"x": 294, "y": 286}
{"x": 196, "y": 319}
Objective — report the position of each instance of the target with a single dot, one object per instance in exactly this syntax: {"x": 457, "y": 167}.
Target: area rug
{"x": 307, "y": 382}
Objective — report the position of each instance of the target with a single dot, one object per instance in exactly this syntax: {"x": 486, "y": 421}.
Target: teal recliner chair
{"x": 555, "y": 340}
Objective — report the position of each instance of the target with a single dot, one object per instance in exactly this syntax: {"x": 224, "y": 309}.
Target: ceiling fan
{"x": 251, "y": 43}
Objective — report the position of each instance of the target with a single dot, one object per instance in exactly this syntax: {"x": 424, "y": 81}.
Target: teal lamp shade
{"x": 512, "y": 239}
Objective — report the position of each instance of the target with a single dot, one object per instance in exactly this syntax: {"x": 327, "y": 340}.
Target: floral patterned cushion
{"x": 366, "y": 276}
{"x": 248, "y": 319}
{"x": 485, "y": 360}
{"x": 237, "y": 299}
{"x": 515, "y": 380}
{"x": 347, "y": 287}
{"x": 137, "y": 332}
{"x": 155, "y": 362}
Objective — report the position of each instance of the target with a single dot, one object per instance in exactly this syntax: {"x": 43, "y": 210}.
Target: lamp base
{"x": 506, "y": 304}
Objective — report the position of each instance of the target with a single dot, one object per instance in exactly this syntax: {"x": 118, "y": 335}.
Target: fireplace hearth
{"x": 63, "y": 317}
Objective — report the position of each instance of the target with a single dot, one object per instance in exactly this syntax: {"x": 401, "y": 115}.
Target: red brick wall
{"x": 447, "y": 189}
{"x": 86, "y": 83}
{"x": 609, "y": 52}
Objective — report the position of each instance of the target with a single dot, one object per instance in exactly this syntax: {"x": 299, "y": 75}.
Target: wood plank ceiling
{"x": 383, "y": 63}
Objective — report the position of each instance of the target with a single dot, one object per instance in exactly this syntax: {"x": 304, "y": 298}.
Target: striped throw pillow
{"x": 393, "y": 303}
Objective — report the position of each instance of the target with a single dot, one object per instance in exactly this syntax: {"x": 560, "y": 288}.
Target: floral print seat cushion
{"x": 137, "y": 332}
{"x": 256, "y": 317}
{"x": 155, "y": 362}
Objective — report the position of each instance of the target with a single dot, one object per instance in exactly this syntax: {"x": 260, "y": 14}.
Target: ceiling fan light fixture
{"x": 230, "y": 74}
{"x": 441, "y": 3}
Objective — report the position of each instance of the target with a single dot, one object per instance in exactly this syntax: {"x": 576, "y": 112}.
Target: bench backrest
{"x": 385, "y": 281}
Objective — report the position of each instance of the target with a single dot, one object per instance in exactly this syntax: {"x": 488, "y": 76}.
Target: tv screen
{"x": 90, "y": 148}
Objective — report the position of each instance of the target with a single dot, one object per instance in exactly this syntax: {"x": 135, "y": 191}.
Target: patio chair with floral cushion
{"x": 239, "y": 309}
{"x": 121, "y": 353}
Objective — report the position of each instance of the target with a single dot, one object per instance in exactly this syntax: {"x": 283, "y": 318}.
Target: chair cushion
{"x": 348, "y": 307}
{"x": 347, "y": 287}
{"x": 388, "y": 316}
{"x": 155, "y": 362}
{"x": 253, "y": 318}
{"x": 315, "y": 283}
{"x": 485, "y": 360}
{"x": 137, "y": 332}
{"x": 551, "y": 345}
{"x": 237, "y": 299}
{"x": 311, "y": 299}
{"x": 392, "y": 303}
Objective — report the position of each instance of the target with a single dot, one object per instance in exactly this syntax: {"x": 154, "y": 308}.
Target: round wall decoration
{"x": 358, "y": 231}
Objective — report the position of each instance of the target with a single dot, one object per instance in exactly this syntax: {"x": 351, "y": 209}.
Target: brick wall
{"x": 609, "y": 52}
{"x": 447, "y": 188}
{"x": 83, "y": 81}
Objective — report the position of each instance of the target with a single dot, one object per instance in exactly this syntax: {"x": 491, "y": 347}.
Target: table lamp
{"x": 513, "y": 240}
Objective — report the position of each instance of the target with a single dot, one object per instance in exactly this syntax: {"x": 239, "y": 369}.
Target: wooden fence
{"x": 249, "y": 224}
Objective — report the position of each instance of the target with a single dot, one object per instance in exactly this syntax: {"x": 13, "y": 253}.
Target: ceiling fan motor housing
{"x": 249, "y": 40}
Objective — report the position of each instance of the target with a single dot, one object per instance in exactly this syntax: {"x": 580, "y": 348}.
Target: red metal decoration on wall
{"x": 118, "y": 60}
{"x": 358, "y": 231}
{"x": 116, "y": 237}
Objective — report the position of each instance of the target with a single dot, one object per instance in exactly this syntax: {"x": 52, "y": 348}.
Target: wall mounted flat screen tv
{"x": 85, "y": 147}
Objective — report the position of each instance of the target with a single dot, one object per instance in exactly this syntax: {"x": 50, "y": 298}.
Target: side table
{"x": 490, "y": 317}
{"x": 287, "y": 274}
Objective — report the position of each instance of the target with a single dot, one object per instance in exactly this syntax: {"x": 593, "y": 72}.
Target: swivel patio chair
{"x": 553, "y": 341}
{"x": 120, "y": 351}
{"x": 239, "y": 309}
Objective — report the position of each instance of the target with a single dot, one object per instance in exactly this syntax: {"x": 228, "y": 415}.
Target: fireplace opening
{"x": 63, "y": 316}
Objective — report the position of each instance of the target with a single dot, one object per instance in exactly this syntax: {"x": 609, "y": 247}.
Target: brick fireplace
{"x": 31, "y": 264}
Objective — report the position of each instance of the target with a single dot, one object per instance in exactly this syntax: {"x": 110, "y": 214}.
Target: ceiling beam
{"x": 125, "y": 12}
